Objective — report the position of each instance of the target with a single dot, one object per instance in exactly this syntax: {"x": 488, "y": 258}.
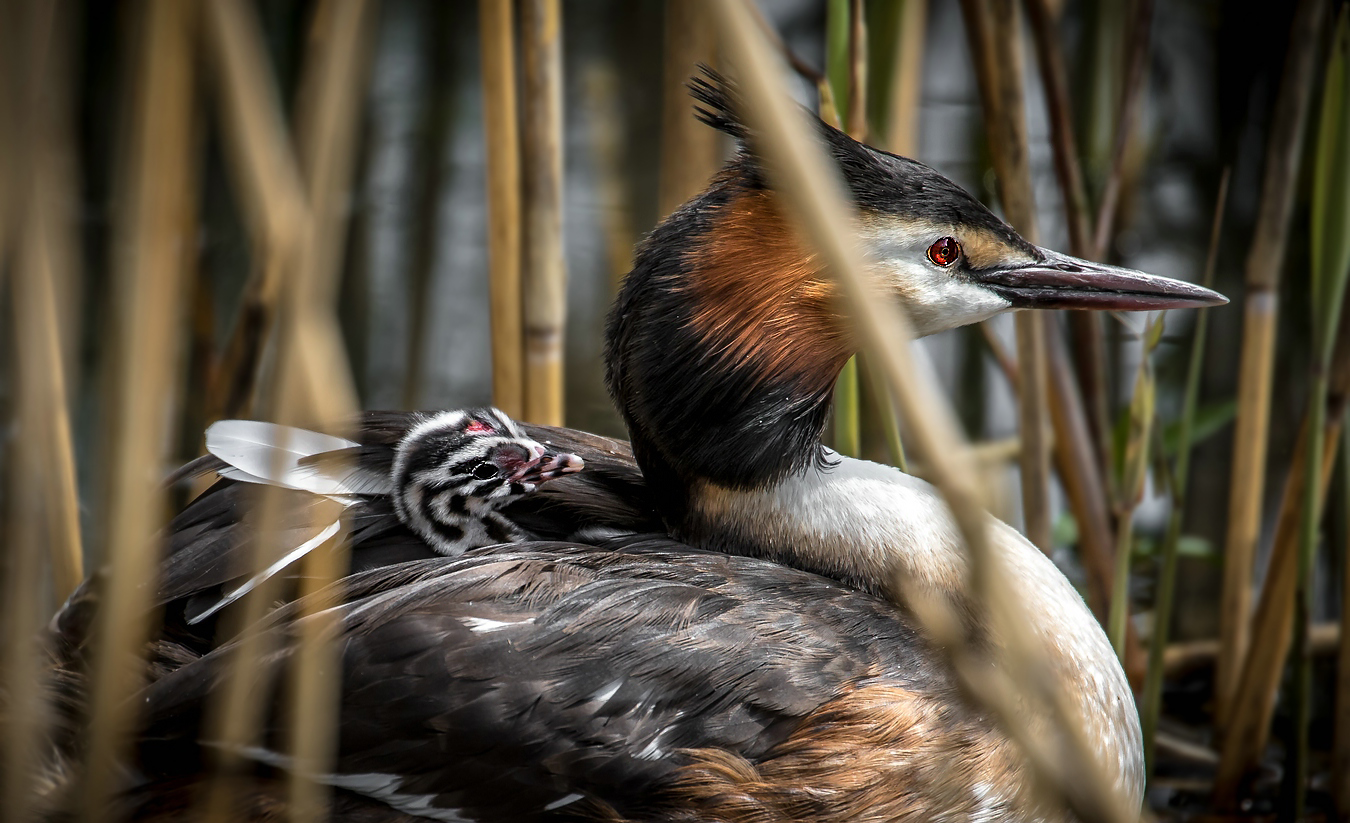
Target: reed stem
{"x": 154, "y": 245}
{"x": 545, "y": 266}
{"x": 1165, "y": 598}
{"x": 497, "y": 39}
{"x": 1279, "y": 185}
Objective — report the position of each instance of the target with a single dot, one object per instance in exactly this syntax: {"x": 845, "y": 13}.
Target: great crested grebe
{"x": 710, "y": 638}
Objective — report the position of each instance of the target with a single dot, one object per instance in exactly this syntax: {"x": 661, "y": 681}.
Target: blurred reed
{"x": 545, "y": 270}
{"x": 816, "y": 201}
{"x": 153, "y": 255}
{"x": 41, "y": 508}
{"x": 690, "y": 151}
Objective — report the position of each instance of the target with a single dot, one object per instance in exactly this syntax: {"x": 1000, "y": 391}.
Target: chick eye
{"x": 944, "y": 252}
{"x": 485, "y": 471}
{"x": 478, "y": 427}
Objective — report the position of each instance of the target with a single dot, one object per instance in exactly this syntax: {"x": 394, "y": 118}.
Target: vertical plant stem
{"x": 1085, "y": 327}
{"x": 155, "y": 243}
{"x": 1254, "y": 700}
{"x": 995, "y": 34}
{"x": 331, "y": 92}
{"x": 1167, "y": 573}
{"x": 545, "y": 267}
{"x": 690, "y": 151}
{"x": 1136, "y": 461}
{"x": 902, "y": 122}
{"x": 814, "y": 196}
{"x": 275, "y": 203}
{"x": 500, "y": 118}
{"x": 1279, "y": 185}
{"x": 845, "y": 46}
{"x": 1330, "y": 220}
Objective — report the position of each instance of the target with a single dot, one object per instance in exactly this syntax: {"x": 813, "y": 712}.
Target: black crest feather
{"x": 720, "y": 102}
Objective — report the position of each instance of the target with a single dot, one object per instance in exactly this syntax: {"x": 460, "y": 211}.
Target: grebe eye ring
{"x": 485, "y": 471}
{"x": 944, "y": 252}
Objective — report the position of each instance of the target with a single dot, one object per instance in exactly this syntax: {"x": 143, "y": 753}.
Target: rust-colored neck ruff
{"x": 761, "y": 301}
{"x": 724, "y": 345}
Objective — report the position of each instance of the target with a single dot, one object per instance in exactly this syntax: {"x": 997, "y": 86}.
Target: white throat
{"x": 861, "y": 521}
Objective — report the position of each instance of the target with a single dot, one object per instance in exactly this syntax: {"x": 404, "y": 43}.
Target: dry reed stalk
{"x": 44, "y": 508}
{"x": 603, "y": 92}
{"x": 1253, "y": 703}
{"x": 1082, "y": 476}
{"x": 264, "y": 169}
{"x": 1279, "y": 186}
{"x": 997, "y": 28}
{"x": 816, "y": 200}
{"x": 545, "y": 280}
{"x": 497, "y": 39}
{"x": 311, "y": 384}
{"x": 261, "y": 159}
{"x": 43, "y": 241}
{"x": 330, "y": 96}
{"x": 902, "y": 127}
{"x": 690, "y": 151}
{"x": 1136, "y": 65}
{"x": 40, "y": 505}
{"x": 1085, "y": 327}
{"x": 1182, "y": 658}
{"x": 155, "y": 242}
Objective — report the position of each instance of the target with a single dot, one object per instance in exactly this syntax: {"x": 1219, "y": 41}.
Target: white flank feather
{"x": 270, "y": 454}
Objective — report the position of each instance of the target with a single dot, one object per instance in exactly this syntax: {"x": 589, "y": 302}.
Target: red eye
{"x": 478, "y": 427}
{"x": 944, "y": 252}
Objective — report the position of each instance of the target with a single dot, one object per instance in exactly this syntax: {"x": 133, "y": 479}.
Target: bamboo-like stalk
{"x": 545, "y": 266}
{"x": 1254, "y": 700}
{"x": 327, "y": 126}
{"x": 42, "y": 241}
{"x": 1167, "y": 574}
{"x": 690, "y": 151}
{"x": 1330, "y": 219}
{"x": 1005, "y": 115}
{"x": 815, "y": 198}
{"x": 265, "y": 176}
{"x": 1136, "y": 64}
{"x": 264, "y": 168}
{"x": 497, "y": 41}
{"x": 1084, "y": 326}
{"x": 155, "y": 241}
{"x": 902, "y": 127}
{"x": 42, "y": 525}
{"x": 1279, "y": 185}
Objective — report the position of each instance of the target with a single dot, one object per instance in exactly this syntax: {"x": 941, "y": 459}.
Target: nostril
{"x": 1069, "y": 267}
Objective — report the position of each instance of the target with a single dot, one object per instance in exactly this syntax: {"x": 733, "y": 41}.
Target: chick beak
{"x": 1064, "y": 282}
